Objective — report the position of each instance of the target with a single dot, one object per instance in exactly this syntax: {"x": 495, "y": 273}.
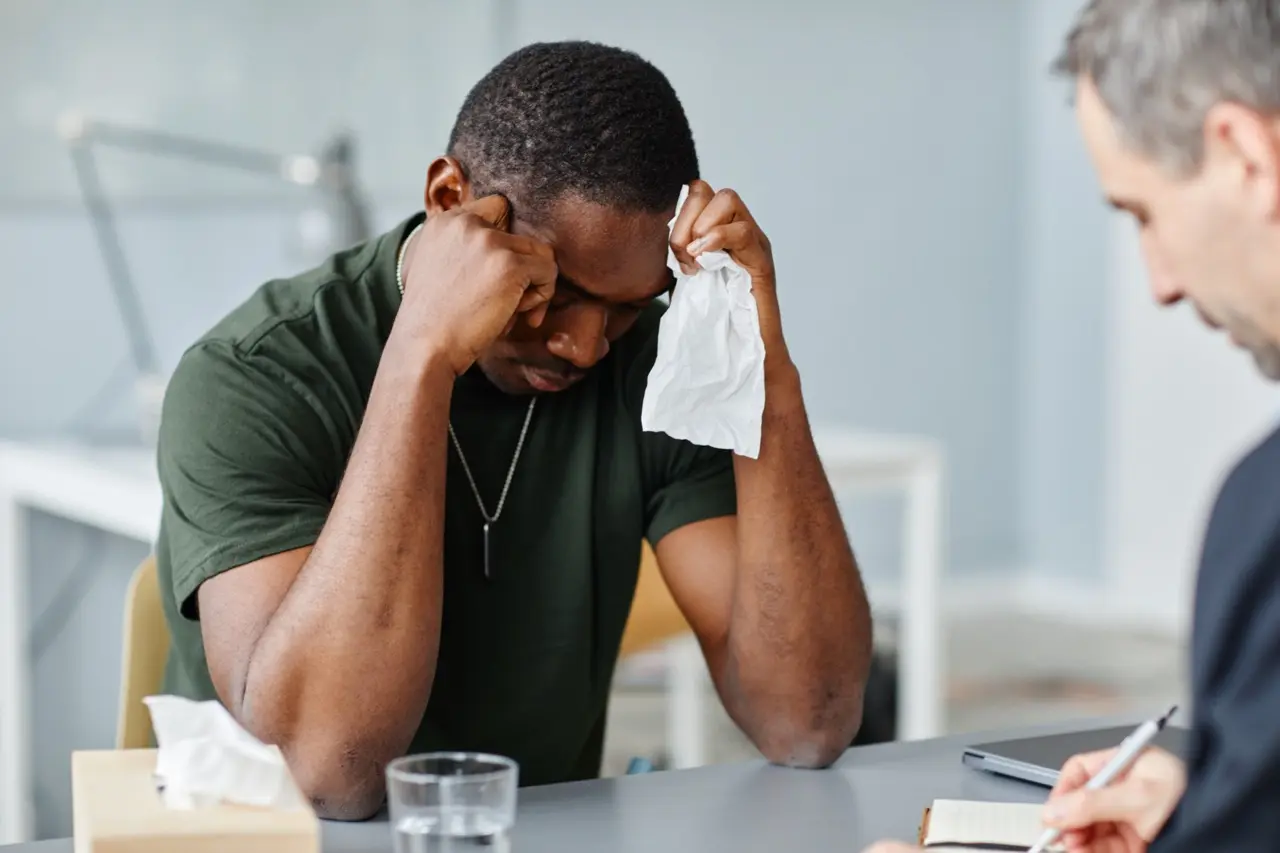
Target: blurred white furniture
{"x": 114, "y": 490}
{"x": 117, "y": 491}
{"x": 915, "y": 467}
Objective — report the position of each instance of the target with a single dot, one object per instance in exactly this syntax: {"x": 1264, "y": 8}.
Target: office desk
{"x": 117, "y": 491}
{"x": 871, "y": 793}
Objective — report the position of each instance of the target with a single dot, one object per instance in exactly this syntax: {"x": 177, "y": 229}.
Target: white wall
{"x": 1182, "y": 406}
{"x": 1129, "y": 416}
{"x": 1061, "y": 320}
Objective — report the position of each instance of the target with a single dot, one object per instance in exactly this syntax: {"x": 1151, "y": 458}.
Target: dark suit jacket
{"x": 1232, "y": 802}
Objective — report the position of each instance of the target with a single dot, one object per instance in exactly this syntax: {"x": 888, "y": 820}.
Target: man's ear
{"x": 447, "y": 186}
{"x": 1249, "y": 145}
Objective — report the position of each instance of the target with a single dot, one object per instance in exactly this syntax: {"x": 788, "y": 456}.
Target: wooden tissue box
{"x": 117, "y": 809}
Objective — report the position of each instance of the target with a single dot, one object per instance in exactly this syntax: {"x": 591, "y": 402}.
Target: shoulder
{"x": 1247, "y": 510}
{"x": 1258, "y": 468}
{"x": 291, "y": 364}
{"x": 301, "y": 347}
{"x": 1232, "y": 784}
{"x": 222, "y": 405}
{"x": 296, "y": 304}
{"x": 1238, "y": 588}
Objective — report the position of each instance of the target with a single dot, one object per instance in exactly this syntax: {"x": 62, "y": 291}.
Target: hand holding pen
{"x": 1117, "y": 800}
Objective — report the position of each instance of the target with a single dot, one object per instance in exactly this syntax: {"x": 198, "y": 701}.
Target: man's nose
{"x": 579, "y": 335}
{"x": 1164, "y": 288}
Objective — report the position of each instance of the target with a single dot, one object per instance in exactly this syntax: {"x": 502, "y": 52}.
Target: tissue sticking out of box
{"x": 707, "y": 381}
{"x": 205, "y": 757}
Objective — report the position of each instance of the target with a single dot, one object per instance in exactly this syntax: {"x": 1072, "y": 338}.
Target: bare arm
{"x": 799, "y": 647}
{"x": 775, "y": 597}
{"x": 782, "y": 614}
{"x": 330, "y": 652}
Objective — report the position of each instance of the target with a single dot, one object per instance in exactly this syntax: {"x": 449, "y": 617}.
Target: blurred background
{"x": 947, "y": 271}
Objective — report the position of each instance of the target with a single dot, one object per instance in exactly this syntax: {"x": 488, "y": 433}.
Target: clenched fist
{"x": 466, "y": 278}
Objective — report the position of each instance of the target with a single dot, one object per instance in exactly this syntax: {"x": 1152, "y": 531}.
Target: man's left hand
{"x": 713, "y": 221}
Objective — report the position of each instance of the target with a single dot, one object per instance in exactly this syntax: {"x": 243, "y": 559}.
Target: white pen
{"x": 1130, "y": 748}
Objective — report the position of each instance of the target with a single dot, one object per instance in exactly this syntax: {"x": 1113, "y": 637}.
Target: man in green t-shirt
{"x": 322, "y": 580}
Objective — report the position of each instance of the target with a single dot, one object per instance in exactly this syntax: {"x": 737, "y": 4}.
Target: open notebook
{"x": 972, "y": 825}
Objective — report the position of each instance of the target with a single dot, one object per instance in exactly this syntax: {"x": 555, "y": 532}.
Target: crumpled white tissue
{"x": 707, "y": 382}
{"x": 204, "y": 757}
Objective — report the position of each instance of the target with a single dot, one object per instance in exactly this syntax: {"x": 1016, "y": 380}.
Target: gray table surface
{"x": 871, "y": 793}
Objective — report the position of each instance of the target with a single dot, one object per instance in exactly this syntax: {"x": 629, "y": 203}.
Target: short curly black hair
{"x": 575, "y": 117}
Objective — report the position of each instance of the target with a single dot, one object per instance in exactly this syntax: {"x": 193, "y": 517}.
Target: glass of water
{"x": 448, "y": 802}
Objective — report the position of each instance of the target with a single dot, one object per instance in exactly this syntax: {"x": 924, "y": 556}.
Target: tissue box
{"x": 116, "y": 809}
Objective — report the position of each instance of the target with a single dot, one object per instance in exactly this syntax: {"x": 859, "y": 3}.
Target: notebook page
{"x": 957, "y": 824}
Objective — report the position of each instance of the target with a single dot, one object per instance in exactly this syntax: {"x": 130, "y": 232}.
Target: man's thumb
{"x": 493, "y": 209}
{"x": 1121, "y": 803}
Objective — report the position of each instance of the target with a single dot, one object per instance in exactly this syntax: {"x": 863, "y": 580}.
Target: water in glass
{"x": 455, "y": 830}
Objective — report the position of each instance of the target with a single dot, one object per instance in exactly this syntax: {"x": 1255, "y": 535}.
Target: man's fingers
{"x": 1079, "y": 769}
{"x": 1114, "y": 843}
{"x": 530, "y": 259}
{"x": 727, "y": 206}
{"x": 493, "y": 209}
{"x": 528, "y": 265}
{"x": 733, "y": 237}
{"x": 1123, "y": 802}
{"x": 524, "y": 244}
{"x": 700, "y": 195}
{"x": 1075, "y": 840}
{"x": 534, "y": 302}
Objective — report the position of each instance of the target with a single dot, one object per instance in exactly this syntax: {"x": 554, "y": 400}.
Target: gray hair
{"x": 1159, "y": 65}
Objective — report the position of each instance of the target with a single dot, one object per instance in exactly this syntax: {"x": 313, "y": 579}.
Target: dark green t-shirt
{"x": 260, "y": 417}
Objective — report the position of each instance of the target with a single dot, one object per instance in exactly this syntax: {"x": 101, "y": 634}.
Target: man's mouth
{"x": 548, "y": 381}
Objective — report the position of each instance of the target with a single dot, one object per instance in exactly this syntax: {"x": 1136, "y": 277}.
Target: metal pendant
{"x": 486, "y": 551}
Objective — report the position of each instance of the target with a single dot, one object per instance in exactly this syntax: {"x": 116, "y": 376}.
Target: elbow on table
{"x": 341, "y": 782}
{"x": 804, "y": 752}
{"x": 343, "y": 797}
{"x": 342, "y": 777}
{"x": 814, "y": 746}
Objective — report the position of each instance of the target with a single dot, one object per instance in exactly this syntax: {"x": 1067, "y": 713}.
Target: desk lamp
{"x": 332, "y": 172}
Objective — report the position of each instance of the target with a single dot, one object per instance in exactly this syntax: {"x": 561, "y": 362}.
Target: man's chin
{"x": 1268, "y": 361}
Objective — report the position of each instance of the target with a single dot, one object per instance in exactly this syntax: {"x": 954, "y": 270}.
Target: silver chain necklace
{"x": 489, "y": 520}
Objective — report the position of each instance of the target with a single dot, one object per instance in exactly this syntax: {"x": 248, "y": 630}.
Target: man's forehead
{"x": 575, "y": 217}
{"x": 599, "y": 246}
{"x": 1098, "y": 129}
{"x": 1125, "y": 176}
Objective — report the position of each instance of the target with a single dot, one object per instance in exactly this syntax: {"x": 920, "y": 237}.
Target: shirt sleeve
{"x": 1232, "y": 801}
{"x": 242, "y": 463}
{"x": 688, "y": 484}
{"x": 683, "y": 482}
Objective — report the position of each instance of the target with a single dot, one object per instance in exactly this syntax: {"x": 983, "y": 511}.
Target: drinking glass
{"x": 449, "y": 802}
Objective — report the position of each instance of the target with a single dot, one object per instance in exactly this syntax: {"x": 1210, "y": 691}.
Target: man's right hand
{"x": 466, "y": 279}
{"x": 1123, "y": 817}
